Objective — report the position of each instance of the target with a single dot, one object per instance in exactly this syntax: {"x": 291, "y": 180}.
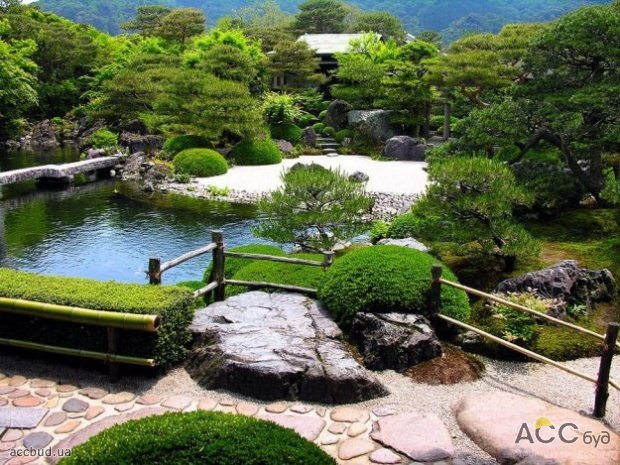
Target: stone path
{"x": 56, "y": 416}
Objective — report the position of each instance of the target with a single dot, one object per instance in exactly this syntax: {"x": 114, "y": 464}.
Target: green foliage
{"x": 437, "y": 122}
{"x": 172, "y": 304}
{"x": 203, "y": 163}
{"x": 381, "y": 22}
{"x": 297, "y": 63}
{"x": 315, "y": 208}
{"x": 378, "y": 230}
{"x": 181, "y": 24}
{"x": 329, "y": 131}
{"x": 103, "y": 138}
{"x": 148, "y": 19}
{"x": 280, "y": 109}
{"x": 319, "y": 127}
{"x": 383, "y": 279}
{"x": 208, "y": 438}
{"x": 176, "y": 144}
{"x": 233, "y": 265}
{"x": 340, "y": 136}
{"x": 289, "y": 132}
{"x": 311, "y": 100}
{"x": 321, "y": 16}
{"x": 256, "y": 152}
{"x": 359, "y": 80}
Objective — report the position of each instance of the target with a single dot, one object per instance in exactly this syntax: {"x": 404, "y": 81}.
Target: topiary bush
{"x": 323, "y": 114}
{"x": 329, "y": 132}
{"x": 343, "y": 134}
{"x": 289, "y": 132}
{"x": 173, "y": 304}
{"x": 256, "y": 152}
{"x": 318, "y": 127}
{"x": 205, "y": 438}
{"x": 232, "y": 265}
{"x": 177, "y": 144}
{"x": 383, "y": 279}
{"x": 203, "y": 163}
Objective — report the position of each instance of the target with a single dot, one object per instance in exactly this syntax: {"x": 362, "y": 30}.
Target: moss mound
{"x": 203, "y": 163}
{"x": 177, "y": 144}
{"x": 233, "y": 265}
{"x": 289, "y": 132}
{"x": 383, "y": 279}
{"x": 256, "y": 152}
{"x": 205, "y": 438}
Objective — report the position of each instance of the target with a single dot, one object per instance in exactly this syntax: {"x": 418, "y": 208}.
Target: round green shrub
{"x": 288, "y": 132}
{"x": 329, "y": 132}
{"x": 383, "y": 279}
{"x": 323, "y": 114}
{"x": 280, "y": 273}
{"x": 233, "y": 265}
{"x": 200, "y": 162}
{"x": 318, "y": 127}
{"x": 177, "y": 144}
{"x": 305, "y": 120}
{"x": 407, "y": 225}
{"x": 256, "y": 152}
{"x": 344, "y": 134}
{"x": 206, "y": 438}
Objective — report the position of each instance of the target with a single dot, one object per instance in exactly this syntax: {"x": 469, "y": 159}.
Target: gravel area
{"x": 526, "y": 379}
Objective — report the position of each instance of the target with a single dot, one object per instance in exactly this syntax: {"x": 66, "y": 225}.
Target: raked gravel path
{"x": 21, "y": 378}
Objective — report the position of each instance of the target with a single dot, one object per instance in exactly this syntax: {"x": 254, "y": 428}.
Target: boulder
{"x": 277, "y": 346}
{"x": 408, "y": 242}
{"x": 405, "y": 148}
{"x": 309, "y": 137}
{"x": 337, "y": 115}
{"x": 285, "y": 146}
{"x": 373, "y": 126}
{"x": 566, "y": 282}
{"x": 95, "y": 153}
{"x": 43, "y": 135}
{"x": 498, "y": 423}
{"x": 133, "y": 165}
{"x": 358, "y": 176}
{"x": 140, "y": 142}
{"x": 394, "y": 341}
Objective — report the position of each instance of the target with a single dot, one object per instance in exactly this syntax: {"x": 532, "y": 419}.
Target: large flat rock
{"x": 277, "y": 346}
{"x": 495, "y": 421}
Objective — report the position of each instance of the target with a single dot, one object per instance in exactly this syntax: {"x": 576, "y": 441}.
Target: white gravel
{"x": 395, "y": 177}
{"x": 526, "y": 379}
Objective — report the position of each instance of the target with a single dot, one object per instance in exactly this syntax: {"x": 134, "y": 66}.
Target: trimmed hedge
{"x": 383, "y": 279}
{"x": 280, "y": 273}
{"x": 172, "y": 304}
{"x": 329, "y": 132}
{"x": 205, "y": 438}
{"x": 256, "y": 152}
{"x": 177, "y": 144}
{"x": 319, "y": 127}
{"x": 203, "y": 163}
{"x": 232, "y": 265}
{"x": 343, "y": 134}
{"x": 289, "y": 132}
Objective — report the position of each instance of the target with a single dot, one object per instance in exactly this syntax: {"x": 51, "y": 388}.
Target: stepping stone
{"x": 17, "y": 380}
{"x": 37, "y": 440}
{"x": 308, "y": 427}
{"x": 43, "y": 392}
{"x": 93, "y": 393}
{"x": 3, "y": 401}
{"x": 321, "y": 411}
{"x": 276, "y": 408}
{"x": 118, "y": 398}
{"x": 6, "y": 446}
{"x": 508, "y": 413}
{"x": 228, "y": 402}
{"x": 301, "y": 409}
{"x": 55, "y": 419}
{"x": 329, "y": 441}
{"x": 179, "y": 403}
{"x": 52, "y": 402}
{"x": 349, "y": 415}
{"x": 12, "y": 435}
{"x": 207, "y": 403}
{"x": 28, "y": 401}
{"x": 419, "y": 437}
{"x": 17, "y": 393}
{"x": 66, "y": 388}
{"x": 247, "y": 409}
{"x": 384, "y": 411}
{"x": 356, "y": 429}
{"x": 42, "y": 383}
{"x": 75, "y": 406}
{"x": 17, "y": 417}
{"x": 4, "y": 390}
{"x": 337, "y": 428}
{"x": 93, "y": 412}
{"x": 385, "y": 457}
{"x": 67, "y": 427}
{"x": 148, "y": 400}
{"x": 123, "y": 407}
{"x": 355, "y": 447}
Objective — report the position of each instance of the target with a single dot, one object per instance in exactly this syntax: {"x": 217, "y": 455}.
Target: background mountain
{"x": 451, "y": 17}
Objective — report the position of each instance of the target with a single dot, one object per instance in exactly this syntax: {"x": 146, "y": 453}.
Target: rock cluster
{"x": 372, "y": 126}
{"x": 405, "y": 148}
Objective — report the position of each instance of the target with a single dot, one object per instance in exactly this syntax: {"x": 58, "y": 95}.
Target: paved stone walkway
{"x": 55, "y": 416}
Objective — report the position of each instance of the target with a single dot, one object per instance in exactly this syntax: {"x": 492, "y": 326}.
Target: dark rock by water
{"x": 140, "y": 142}
{"x": 277, "y": 346}
{"x": 394, "y": 341}
{"x": 43, "y": 135}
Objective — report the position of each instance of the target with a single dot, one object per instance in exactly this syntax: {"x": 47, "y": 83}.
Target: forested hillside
{"x": 452, "y": 18}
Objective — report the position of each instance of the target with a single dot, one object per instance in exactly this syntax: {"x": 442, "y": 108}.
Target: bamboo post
{"x": 602, "y": 384}
{"x": 434, "y": 303}
{"x": 328, "y": 259}
{"x": 218, "y": 265}
{"x": 113, "y": 368}
{"x": 155, "y": 270}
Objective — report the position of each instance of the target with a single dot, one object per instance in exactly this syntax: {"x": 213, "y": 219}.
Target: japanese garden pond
{"x": 109, "y": 229}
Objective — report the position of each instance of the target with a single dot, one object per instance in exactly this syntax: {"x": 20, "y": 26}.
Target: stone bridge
{"x": 58, "y": 173}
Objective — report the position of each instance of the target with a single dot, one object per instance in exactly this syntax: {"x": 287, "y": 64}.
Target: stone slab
{"x": 306, "y": 426}
{"x": 21, "y": 417}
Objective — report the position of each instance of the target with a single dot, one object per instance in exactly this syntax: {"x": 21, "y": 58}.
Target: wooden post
{"x": 426, "y": 127}
{"x": 447, "y": 115}
{"x": 602, "y": 385}
{"x": 218, "y": 266}
{"x": 113, "y": 368}
{"x": 154, "y": 270}
{"x": 328, "y": 259}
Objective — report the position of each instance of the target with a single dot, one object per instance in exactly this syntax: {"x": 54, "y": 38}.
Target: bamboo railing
{"x": 602, "y": 382}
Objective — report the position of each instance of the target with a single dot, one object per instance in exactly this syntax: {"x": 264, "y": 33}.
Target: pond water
{"x": 108, "y": 230}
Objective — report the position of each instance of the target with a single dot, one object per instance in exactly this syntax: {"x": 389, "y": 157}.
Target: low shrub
{"x": 288, "y": 132}
{"x": 323, "y": 115}
{"x": 177, "y": 144}
{"x": 318, "y": 127}
{"x": 103, "y": 139}
{"x": 305, "y": 120}
{"x": 203, "y": 163}
{"x": 329, "y": 132}
{"x": 256, "y": 152}
{"x": 378, "y": 231}
{"x": 206, "y": 438}
{"x": 436, "y": 122}
{"x": 407, "y": 225}
{"x": 280, "y": 273}
{"x": 383, "y": 279}
{"x": 172, "y": 304}
{"x": 232, "y": 265}
{"x": 343, "y": 134}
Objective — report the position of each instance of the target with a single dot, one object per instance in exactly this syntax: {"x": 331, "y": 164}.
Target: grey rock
{"x": 37, "y": 440}
{"x": 372, "y": 126}
{"x": 309, "y": 137}
{"x": 394, "y": 341}
{"x": 75, "y": 406}
{"x": 141, "y": 143}
{"x": 404, "y": 148}
{"x": 43, "y": 135}
{"x": 21, "y": 417}
{"x": 358, "y": 176}
{"x": 95, "y": 153}
{"x": 408, "y": 242}
{"x": 337, "y": 115}
{"x": 276, "y": 346}
{"x": 285, "y": 146}
{"x": 148, "y": 186}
